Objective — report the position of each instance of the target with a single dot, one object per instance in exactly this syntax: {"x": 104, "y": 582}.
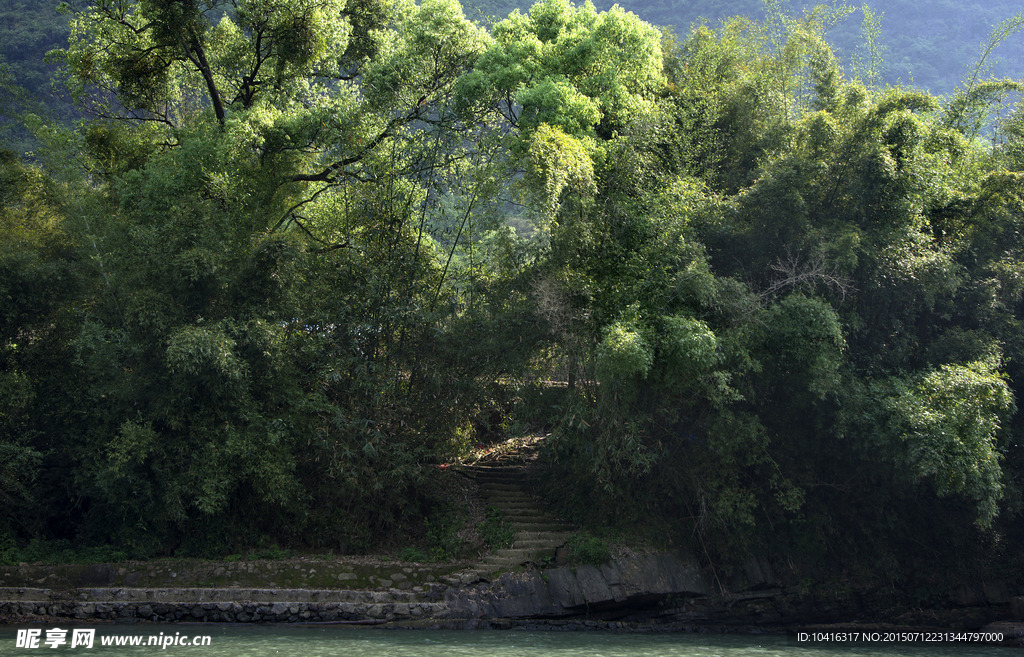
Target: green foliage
{"x": 442, "y": 541}
{"x": 690, "y": 349}
{"x": 272, "y": 552}
{"x": 413, "y": 554}
{"x": 559, "y": 163}
{"x": 495, "y": 530}
{"x": 584, "y": 549}
{"x": 573, "y": 67}
{"x": 58, "y": 552}
{"x": 622, "y": 354}
{"x": 946, "y": 425}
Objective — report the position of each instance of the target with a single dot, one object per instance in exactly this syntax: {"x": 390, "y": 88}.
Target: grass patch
{"x": 584, "y": 548}
{"x": 58, "y": 551}
{"x": 272, "y": 553}
{"x": 413, "y": 554}
{"x": 496, "y": 531}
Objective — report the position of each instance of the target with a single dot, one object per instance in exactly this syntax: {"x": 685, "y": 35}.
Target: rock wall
{"x": 609, "y": 589}
{"x": 225, "y": 605}
{"x": 350, "y": 574}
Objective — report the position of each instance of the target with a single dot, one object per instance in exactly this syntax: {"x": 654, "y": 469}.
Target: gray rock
{"x": 567, "y": 591}
{"x": 101, "y": 574}
{"x": 594, "y": 588}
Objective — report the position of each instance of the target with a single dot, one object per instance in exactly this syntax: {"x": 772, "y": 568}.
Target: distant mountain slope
{"x": 28, "y": 30}
{"x": 930, "y": 44}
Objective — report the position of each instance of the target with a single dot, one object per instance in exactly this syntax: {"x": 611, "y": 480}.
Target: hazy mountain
{"x": 931, "y": 44}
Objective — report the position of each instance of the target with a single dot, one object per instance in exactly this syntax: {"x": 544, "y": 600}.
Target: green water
{"x": 283, "y": 641}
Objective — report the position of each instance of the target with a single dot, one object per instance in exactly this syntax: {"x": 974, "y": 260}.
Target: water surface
{"x": 285, "y": 641}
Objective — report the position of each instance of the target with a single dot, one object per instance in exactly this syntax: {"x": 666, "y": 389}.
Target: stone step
{"x": 524, "y": 525}
{"x": 538, "y": 526}
{"x": 488, "y": 482}
{"x": 502, "y": 554}
{"x": 520, "y": 516}
{"x": 509, "y": 497}
{"x": 539, "y": 544}
{"x": 509, "y": 504}
{"x": 210, "y": 595}
{"x": 508, "y": 485}
{"x": 563, "y": 535}
{"x": 531, "y": 518}
{"x": 514, "y": 472}
{"x": 496, "y": 473}
{"x": 504, "y": 485}
{"x": 517, "y": 502}
{"x": 498, "y": 486}
{"x": 524, "y": 512}
{"x": 542, "y": 528}
{"x": 527, "y": 514}
{"x": 515, "y": 493}
{"x": 493, "y": 469}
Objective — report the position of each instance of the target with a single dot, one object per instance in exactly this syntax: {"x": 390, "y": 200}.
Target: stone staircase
{"x": 503, "y": 484}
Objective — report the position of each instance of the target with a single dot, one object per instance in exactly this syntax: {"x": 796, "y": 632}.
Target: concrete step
{"x": 506, "y": 485}
{"x": 518, "y": 521}
{"x": 526, "y": 514}
{"x": 549, "y": 525}
{"x": 539, "y": 544}
{"x": 523, "y": 511}
{"x": 502, "y": 554}
{"x": 519, "y": 506}
{"x": 487, "y": 482}
{"x": 493, "y": 470}
{"x": 509, "y": 496}
{"x": 516, "y": 472}
{"x": 538, "y": 526}
{"x": 563, "y": 536}
{"x": 496, "y": 473}
{"x": 516, "y": 493}
{"x": 101, "y": 595}
{"x": 511, "y": 504}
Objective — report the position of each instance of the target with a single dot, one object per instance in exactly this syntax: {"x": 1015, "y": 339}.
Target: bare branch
{"x": 796, "y": 273}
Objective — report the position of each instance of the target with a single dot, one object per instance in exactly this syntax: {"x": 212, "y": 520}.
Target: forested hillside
{"x": 929, "y": 44}
{"x": 304, "y": 252}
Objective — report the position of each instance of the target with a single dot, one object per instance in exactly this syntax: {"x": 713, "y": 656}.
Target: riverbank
{"x": 534, "y": 582}
{"x": 632, "y": 592}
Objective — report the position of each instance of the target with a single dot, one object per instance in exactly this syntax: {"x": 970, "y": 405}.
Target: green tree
{"x": 269, "y": 336}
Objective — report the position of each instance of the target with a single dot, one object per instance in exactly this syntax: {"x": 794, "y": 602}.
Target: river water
{"x": 285, "y": 641}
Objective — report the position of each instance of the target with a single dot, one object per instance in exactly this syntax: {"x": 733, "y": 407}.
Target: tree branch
{"x": 195, "y": 53}
{"x": 333, "y": 171}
